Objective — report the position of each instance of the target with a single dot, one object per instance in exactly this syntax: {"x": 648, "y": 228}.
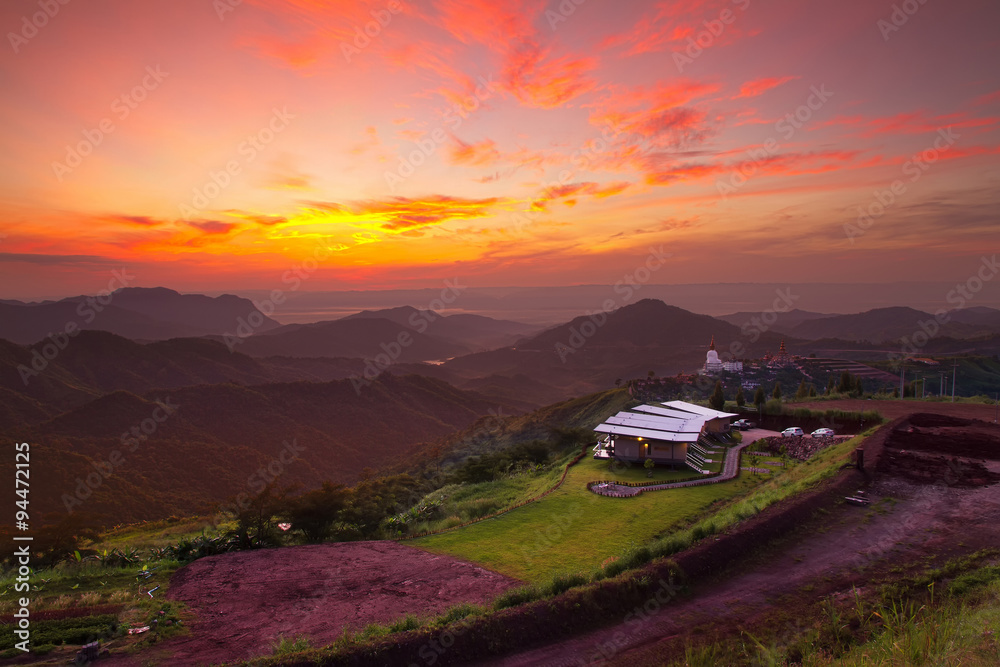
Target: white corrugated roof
{"x": 666, "y": 412}
{"x": 698, "y": 410}
{"x": 658, "y": 423}
{"x": 651, "y": 434}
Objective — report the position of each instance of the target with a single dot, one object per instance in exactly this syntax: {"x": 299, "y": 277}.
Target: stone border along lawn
{"x": 729, "y": 470}
{"x": 573, "y": 530}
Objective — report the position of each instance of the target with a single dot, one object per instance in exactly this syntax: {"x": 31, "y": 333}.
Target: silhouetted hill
{"x": 591, "y": 352}
{"x": 978, "y": 316}
{"x": 468, "y": 330}
{"x": 132, "y": 312}
{"x": 882, "y": 324}
{"x": 97, "y": 362}
{"x": 361, "y": 338}
{"x": 209, "y": 315}
{"x": 186, "y": 450}
{"x": 784, "y": 322}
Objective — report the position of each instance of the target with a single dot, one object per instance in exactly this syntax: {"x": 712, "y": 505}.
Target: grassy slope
{"x": 573, "y": 530}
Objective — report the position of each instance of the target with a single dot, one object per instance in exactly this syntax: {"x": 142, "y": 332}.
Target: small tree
{"x": 803, "y": 390}
{"x": 758, "y": 397}
{"x": 812, "y": 390}
{"x": 315, "y": 513}
{"x": 740, "y": 398}
{"x": 831, "y": 386}
{"x": 717, "y": 400}
{"x": 846, "y": 383}
{"x": 776, "y": 394}
{"x": 649, "y": 465}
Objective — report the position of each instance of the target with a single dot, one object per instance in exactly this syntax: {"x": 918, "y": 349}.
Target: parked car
{"x": 793, "y": 431}
{"x": 822, "y": 433}
{"x": 743, "y": 425}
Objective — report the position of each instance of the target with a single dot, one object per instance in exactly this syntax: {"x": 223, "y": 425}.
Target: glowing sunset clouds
{"x": 211, "y": 144}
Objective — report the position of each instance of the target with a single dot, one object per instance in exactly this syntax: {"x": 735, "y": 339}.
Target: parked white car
{"x": 822, "y": 433}
{"x": 793, "y": 431}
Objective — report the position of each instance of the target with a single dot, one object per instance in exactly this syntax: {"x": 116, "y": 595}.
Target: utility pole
{"x": 954, "y": 376}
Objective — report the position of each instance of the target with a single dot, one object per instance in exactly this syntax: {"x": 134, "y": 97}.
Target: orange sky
{"x": 214, "y": 145}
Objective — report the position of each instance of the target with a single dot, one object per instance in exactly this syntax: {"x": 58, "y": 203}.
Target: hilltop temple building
{"x": 713, "y": 364}
{"x": 781, "y": 359}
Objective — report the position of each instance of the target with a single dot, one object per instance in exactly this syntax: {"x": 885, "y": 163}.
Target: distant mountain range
{"x": 879, "y": 325}
{"x": 357, "y": 392}
{"x": 138, "y": 313}
{"x": 404, "y": 334}
{"x": 215, "y": 439}
{"x": 591, "y": 352}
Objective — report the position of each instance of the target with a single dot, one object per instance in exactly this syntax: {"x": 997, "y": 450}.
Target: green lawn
{"x": 636, "y": 473}
{"x": 574, "y": 531}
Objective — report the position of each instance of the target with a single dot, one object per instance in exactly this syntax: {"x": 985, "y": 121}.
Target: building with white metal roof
{"x": 660, "y": 432}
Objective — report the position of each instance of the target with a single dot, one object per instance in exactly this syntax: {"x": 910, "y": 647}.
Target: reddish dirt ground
{"x": 928, "y": 516}
{"x": 245, "y": 601}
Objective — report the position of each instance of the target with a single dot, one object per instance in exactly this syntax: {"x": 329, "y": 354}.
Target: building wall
{"x": 661, "y": 452}
{"x": 720, "y": 425}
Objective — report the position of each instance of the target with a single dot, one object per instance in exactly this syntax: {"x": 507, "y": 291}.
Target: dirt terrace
{"x": 244, "y": 601}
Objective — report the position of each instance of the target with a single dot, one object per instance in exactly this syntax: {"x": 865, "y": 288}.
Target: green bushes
{"x": 287, "y": 645}
{"x": 79, "y": 630}
{"x": 517, "y": 596}
{"x": 562, "y": 583}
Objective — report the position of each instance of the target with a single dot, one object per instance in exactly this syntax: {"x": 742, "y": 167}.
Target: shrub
{"x": 516, "y": 596}
{"x": 286, "y": 645}
{"x": 562, "y": 583}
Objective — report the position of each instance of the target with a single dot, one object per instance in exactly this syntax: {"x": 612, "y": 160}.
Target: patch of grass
{"x": 287, "y": 645}
{"x": 572, "y": 530}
